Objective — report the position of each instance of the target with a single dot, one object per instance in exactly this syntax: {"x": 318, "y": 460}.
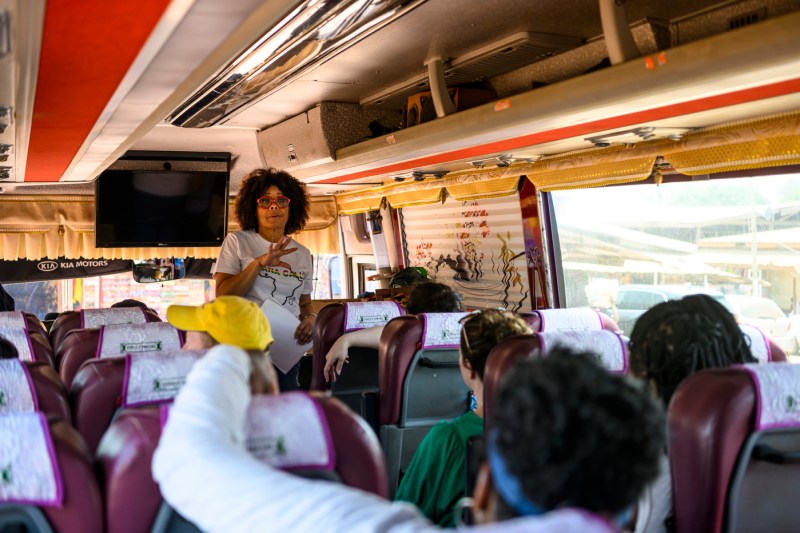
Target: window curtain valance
{"x": 35, "y": 227}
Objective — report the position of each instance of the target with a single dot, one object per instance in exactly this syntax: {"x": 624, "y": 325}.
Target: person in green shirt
{"x": 435, "y": 479}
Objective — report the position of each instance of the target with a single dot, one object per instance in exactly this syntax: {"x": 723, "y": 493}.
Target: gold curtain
{"x": 34, "y": 227}
{"x": 761, "y": 143}
{"x": 594, "y": 167}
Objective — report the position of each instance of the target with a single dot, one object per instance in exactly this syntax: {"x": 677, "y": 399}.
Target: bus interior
{"x": 530, "y": 154}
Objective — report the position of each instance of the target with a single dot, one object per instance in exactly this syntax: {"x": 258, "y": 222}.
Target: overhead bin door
{"x": 476, "y": 247}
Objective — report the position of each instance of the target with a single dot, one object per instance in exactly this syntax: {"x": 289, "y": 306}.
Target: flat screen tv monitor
{"x": 149, "y": 208}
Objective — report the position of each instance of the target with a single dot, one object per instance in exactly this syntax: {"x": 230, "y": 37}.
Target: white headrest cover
{"x": 609, "y": 347}
{"x": 30, "y": 474}
{"x": 290, "y": 432}
{"x": 759, "y": 345}
{"x": 13, "y": 319}
{"x": 94, "y": 318}
{"x": 21, "y": 341}
{"x": 16, "y": 388}
{"x": 441, "y": 330}
{"x": 136, "y": 338}
{"x": 156, "y": 377}
{"x": 574, "y": 319}
{"x": 362, "y": 315}
{"x": 778, "y": 395}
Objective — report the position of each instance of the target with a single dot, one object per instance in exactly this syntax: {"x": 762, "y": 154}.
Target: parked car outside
{"x": 765, "y": 314}
{"x": 633, "y": 300}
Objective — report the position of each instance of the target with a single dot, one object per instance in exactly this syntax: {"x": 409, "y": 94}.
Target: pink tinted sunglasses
{"x": 281, "y": 201}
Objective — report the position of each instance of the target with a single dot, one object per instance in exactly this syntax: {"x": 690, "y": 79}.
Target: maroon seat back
{"x": 77, "y": 347}
{"x": 400, "y": 341}
{"x": 126, "y": 452}
{"x": 51, "y": 395}
{"x": 63, "y": 324}
{"x": 71, "y": 320}
{"x": 95, "y": 396}
{"x": 82, "y": 505}
{"x": 719, "y": 482}
{"x": 609, "y": 345}
{"x": 501, "y": 358}
{"x": 83, "y": 502}
{"x": 328, "y": 327}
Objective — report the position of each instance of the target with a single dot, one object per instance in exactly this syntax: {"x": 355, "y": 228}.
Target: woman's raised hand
{"x": 275, "y": 253}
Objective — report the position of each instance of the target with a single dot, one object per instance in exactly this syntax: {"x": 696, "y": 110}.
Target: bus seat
{"x": 133, "y": 501}
{"x": 328, "y": 327}
{"x": 78, "y": 345}
{"x": 581, "y": 318}
{"x": 362, "y": 370}
{"x": 612, "y": 351}
{"x": 32, "y": 386}
{"x": 29, "y": 347}
{"x": 81, "y": 345}
{"x": 101, "y": 386}
{"x": 417, "y": 389}
{"x": 734, "y": 461}
{"x": 35, "y": 327}
{"x": 70, "y": 320}
{"x": 81, "y": 504}
{"x": 762, "y": 347}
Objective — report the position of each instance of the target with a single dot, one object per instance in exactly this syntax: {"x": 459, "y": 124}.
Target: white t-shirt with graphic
{"x": 281, "y": 285}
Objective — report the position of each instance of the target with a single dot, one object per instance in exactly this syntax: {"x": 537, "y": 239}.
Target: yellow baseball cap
{"x": 228, "y": 319}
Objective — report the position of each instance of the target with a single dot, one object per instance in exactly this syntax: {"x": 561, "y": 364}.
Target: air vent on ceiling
{"x": 501, "y": 56}
{"x": 747, "y": 19}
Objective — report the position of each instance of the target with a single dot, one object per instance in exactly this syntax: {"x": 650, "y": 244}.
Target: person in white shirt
{"x": 567, "y": 439}
{"x": 262, "y": 262}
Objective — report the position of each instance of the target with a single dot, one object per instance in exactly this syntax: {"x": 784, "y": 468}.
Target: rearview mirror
{"x": 158, "y": 270}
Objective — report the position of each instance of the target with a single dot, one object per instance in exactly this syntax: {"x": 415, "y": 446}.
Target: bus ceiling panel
{"x": 735, "y": 73}
{"x": 98, "y": 93}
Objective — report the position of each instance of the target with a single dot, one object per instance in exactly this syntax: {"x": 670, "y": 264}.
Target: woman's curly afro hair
{"x": 255, "y": 185}
{"x": 575, "y": 435}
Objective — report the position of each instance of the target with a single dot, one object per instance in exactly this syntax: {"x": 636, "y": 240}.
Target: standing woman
{"x": 261, "y": 262}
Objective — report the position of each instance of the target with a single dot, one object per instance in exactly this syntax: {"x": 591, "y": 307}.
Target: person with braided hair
{"x": 435, "y": 479}
{"x": 669, "y": 342}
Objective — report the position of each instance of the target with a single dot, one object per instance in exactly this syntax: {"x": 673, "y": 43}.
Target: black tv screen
{"x": 144, "y": 208}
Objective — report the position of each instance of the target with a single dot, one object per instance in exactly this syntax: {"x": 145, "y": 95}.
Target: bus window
{"x": 327, "y": 277}
{"x": 624, "y": 249}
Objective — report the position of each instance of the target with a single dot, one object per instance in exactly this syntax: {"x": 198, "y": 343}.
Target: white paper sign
{"x": 285, "y": 351}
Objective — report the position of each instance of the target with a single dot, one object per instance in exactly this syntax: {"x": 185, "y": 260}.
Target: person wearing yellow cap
{"x": 234, "y": 321}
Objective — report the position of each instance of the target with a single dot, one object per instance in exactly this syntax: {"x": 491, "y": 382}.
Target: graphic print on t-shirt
{"x": 283, "y": 284}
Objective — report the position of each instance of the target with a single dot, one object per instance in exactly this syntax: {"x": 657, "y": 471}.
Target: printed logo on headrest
{"x": 138, "y": 338}
{"x": 362, "y": 315}
{"x": 574, "y": 319}
{"x": 94, "y": 318}
{"x": 778, "y": 394}
{"x": 155, "y": 377}
{"x": 441, "y": 330}
{"x": 28, "y": 469}
{"x": 290, "y": 432}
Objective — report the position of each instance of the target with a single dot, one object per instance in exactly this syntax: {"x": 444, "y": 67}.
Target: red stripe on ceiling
{"x": 87, "y": 48}
{"x": 658, "y": 113}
